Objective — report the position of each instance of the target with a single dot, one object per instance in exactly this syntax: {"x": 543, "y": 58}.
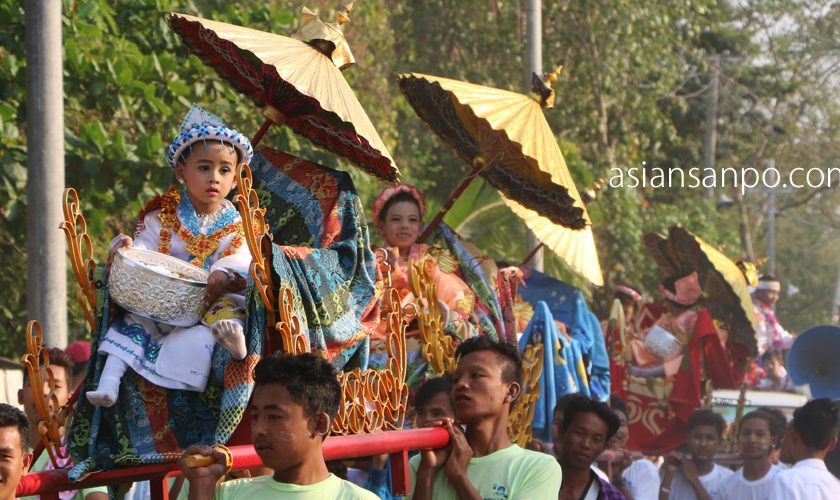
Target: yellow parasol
{"x": 505, "y": 137}
{"x": 298, "y": 81}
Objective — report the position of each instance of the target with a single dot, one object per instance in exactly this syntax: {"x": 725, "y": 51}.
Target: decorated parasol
{"x": 297, "y": 81}
{"x": 724, "y": 287}
{"x": 506, "y": 139}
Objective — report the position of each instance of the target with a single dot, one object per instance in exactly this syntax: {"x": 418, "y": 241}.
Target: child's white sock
{"x": 230, "y": 335}
{"x": 109, "y": 383}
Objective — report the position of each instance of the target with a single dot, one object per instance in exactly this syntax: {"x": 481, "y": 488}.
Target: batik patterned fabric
{"x": 149, "y": 423}
{"x": 321, "y": 250}
{"x": 481, "y": 275}
{"x": 567, "y": 305}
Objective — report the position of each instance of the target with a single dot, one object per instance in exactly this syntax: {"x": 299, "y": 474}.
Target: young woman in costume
{"x": 197, "y": 224}
{"x": 398, "y": 216}
{"x": 681, "y": 294}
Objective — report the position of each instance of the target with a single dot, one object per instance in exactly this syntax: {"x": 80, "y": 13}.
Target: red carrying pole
{"x": 244, "y": 457}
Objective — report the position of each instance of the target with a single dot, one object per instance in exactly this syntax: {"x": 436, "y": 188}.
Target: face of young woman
{"x": 209, "y": 174}
{"x": 402, "y": 226}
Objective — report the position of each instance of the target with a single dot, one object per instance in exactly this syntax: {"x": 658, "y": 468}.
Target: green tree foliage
{"x": 633, "y": 90}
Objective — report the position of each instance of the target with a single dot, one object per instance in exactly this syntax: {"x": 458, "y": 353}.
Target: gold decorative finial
{"x": 541, "y": 86}
{"x": 342, "y": 16}
{"x": 750, "y": 270}
{"x": 327, "y": 38}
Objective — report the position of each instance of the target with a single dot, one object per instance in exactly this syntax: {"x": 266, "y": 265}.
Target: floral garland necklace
{"x": 225, "y": 221}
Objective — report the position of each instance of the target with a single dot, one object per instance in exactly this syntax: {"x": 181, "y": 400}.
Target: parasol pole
{"x": 272, "y": 115}
{"x": 531, "y": 255}
{"x": 261, "y": 132}
{"x": 478, "y": 166}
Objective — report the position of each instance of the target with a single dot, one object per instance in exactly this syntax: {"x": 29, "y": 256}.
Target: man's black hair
{"x": 564, "y": 400}
{"x": 12, "y": 417}
{"x": 512, "y": 365}
{"x": 770, "y": 355}
{"x": 776, "y": 428}
{"x": 310, "y": 380}
{"x": 781, "y": 422}
{"x": 817, "y": 423}
{"x": 583, "y": 404}
{"x": 706, "y": 417}
{"x": 618, "y": 405}
{"x": 397, "y": 198}
{"x": 431, "y": 388}
{"x": 57, "y": 358}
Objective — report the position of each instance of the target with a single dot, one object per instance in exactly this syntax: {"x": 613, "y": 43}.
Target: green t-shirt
{"x": 266, "y": 487}
{"x": 39, "y": 466}
{"x": 507, "y": 474}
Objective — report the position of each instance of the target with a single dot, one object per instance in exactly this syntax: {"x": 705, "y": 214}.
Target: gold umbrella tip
{"x": 342, "y": 16}
{"x": 541, "y": 86}
{"x": 327, "y": 38}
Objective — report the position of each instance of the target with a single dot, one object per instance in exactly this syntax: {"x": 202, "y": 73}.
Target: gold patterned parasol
{"x": 505, "y": 137}
{"x": 298, "y": 81}
{"x": 724, "y": 287}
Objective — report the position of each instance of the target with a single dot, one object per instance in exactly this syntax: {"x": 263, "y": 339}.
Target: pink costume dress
{"x": 451, "y": 290}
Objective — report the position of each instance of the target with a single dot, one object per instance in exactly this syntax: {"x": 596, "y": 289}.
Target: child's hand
{"x": 217, "y": 283}
{"x": 444, "y": 312}
{"x": 121, "y": 241}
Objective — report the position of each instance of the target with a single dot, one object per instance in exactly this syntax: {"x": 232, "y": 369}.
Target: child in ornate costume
{"x": 199, "y": 225}
{"x": 661, "y": 354}
{"x": 398, "y": 216}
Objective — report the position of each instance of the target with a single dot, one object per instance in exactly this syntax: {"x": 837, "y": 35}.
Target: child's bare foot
{"x": 229, "y": 334}
{"x": 106, "y": 393}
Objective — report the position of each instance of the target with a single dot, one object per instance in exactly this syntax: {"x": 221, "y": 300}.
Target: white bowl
{"x": 158, "y": 286}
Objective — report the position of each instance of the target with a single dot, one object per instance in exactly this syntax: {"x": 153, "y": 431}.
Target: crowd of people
{"x": 297, "y": 397}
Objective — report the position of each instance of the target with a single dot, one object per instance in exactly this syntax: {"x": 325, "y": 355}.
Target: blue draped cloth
{"x": 562, "y": 371}
{"x": 568, "y": 306}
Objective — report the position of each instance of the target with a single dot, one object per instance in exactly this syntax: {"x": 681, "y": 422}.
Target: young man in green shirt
{"x": 480, "y": 461}
{"x": 295, "y": 399}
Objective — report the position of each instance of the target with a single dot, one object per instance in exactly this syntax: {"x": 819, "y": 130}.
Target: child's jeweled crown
{"x": 201, "y": 125}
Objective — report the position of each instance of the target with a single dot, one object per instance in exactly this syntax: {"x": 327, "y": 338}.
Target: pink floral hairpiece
{"x": 389, "y": 193}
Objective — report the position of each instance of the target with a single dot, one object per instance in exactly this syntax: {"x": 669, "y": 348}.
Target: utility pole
{"x": 710, "y": 143}
{"x": 835, "y": 307}
{"x": 46, "y": 284}
{"x": 534, "y": 58}
{"x": 771, "y": 222}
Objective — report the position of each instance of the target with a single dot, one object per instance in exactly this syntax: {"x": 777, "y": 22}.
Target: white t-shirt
{"x": 713, "y": 482}
{"x": 808, "y": 479}
{"x": 738, "y": 488}
{"x": 642, "y": 479}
